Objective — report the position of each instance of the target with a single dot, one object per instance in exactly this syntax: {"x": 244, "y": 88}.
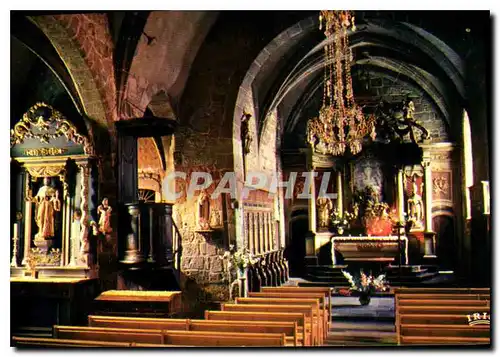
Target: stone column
{"x": 312, "y": 202}
{"x": 255, "y": 233}
{"x": 401, "y": 196}
{"x": 249, "y": 230}
{"x": 261, "y": 232}
{"x": 429, "y": 235}
{"x": 340, "y": 204}
{"x": 27, "y": 220}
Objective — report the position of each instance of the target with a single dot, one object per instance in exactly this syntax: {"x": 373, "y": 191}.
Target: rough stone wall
{"x": 205, "y": 141}
{"x": 267, "y": 145}
{"x": 91, "y": 32}
{"x": 392, "y": 90}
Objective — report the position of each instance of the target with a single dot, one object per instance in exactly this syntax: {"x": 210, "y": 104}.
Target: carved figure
{"x": 415, "y": 205}
{"x": 325, "y": 207}
{"x": 396, "y": 121}
{"x": 204, "y": 210}
{"x": 47, "y": 203}
{"x": 104, "y": 210}
{"x": 246, "y": 137}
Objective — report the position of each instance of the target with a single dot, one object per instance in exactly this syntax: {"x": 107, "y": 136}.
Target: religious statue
{"x": 246, "y": 136}
{"x": 204, "y": 211}
{"x": 104, "y": 210}
{"x": 325, "y": 207}
{"x": 47, "y": 203}
{"x": 415, "y": 206}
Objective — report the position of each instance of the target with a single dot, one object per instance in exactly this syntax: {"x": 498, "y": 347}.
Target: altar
{"x": 370, "y": 249}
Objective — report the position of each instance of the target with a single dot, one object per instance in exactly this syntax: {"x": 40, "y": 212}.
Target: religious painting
{"x": 367, "y": 172}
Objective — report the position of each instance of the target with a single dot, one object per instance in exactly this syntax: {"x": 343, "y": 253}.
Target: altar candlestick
{"x": 15, "y": 239}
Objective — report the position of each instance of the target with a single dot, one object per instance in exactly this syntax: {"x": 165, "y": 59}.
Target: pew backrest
{"x": 229, "y": 339}
{"x": 57, "y": 342}
{"x": 238, "y": 316}
{"x": 305, "y": 309}
{"x": 108, "y": 334}
{"x": 137, "y": 322}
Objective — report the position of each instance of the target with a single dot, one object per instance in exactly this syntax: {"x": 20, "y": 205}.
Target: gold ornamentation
{"x": 341, "y": 122}
{"x": 36, "y": 125}
{"x": 364, "y": 247}
{"x": 84, "y": 206}
{"x": 44, "y": 151}
{"x": 44, "y": 171}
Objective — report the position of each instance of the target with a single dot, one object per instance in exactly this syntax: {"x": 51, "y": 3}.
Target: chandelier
{"x": 341, "y": 122}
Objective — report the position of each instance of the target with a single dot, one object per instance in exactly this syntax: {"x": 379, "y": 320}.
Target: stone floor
{"x": 349, "y": 307}
{"x": 354, "y": 325}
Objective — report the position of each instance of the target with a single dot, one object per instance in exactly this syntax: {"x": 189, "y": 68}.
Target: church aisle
{"x": 356, "y": 325}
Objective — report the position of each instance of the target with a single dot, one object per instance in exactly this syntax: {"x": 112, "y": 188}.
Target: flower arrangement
{"x": 366, "y": 284}
{"x": 338, "y": 223}
{"x": 240, "y": 258}
{"x": 36, "y": 257}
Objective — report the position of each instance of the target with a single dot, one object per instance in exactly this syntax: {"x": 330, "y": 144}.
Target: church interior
{"x": 250, "y": 178}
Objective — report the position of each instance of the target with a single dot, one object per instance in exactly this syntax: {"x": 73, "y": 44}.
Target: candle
{"x": 16, "y": 230}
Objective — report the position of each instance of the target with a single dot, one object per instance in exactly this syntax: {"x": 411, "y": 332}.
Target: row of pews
{"x": 271, "y": 270}
{"x": 274, "y": 317}
{"x": 442, "y": 316}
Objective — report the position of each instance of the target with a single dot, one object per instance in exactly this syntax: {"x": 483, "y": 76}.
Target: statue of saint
{"x": 104, "y": 211}
{"x": 416, "y": 205}
{"x": 325, "y": 207}
{"x": 47, "y": 203}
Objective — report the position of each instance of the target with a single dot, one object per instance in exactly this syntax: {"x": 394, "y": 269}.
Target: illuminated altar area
{"x": 55, "y": 177}
{"x": 379, "y": 160}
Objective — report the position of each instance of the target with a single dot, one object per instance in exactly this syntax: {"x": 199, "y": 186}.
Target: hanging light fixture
{"x": 341, "y": 123}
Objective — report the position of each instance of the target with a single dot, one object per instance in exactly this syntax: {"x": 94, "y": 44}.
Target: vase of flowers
{"x": 338, "y": 223}
{"x": 239, "y": 259}
{"x": 365, "y": 285}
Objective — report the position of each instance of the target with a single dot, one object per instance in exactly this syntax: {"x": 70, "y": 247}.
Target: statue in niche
{"x": 204, "y": 211}
{"x": 104, "y": 210}
{"x": 416, "y": 206}
{"x": 47, "y": 203}
{"x": 325, "y": 207}
{"x": 246, "y": 137}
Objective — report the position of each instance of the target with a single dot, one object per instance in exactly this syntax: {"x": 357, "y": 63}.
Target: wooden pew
{"x": 301, "y": 290}
{"x": 170, "y": 337}
{"x": 57, "y": 342}
{"x": 445, "y": 330}
{"x": 430, "y": 316}
{"x": 443, "y": 309}
{"x": 225, "y": 339}
{"x": 474, "y": 291}
{"x": 439, "y": 340}
{"x": 317, "y": 312}
{"x": 414, "y": 301}
{"x": 432, "y": 319}
{"x": 145, "y": 323}
{"x": 294, "y": 295}
{"x": 289, "y": 328}
{"x": 109, "y": 334}
{"x": 232, "y": 316}
{"x": 311, "y": 325}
